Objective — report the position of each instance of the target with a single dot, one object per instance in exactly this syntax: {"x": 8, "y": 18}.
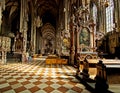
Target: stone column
{"x": 66, "y": 12}
{"x": 2, "y": 49}
{"x": 92, "y": 25}
{"x": 59, "y": 43}
{"x": 77, "y": 33}
{"x": 77, "y": 39}
{"x": 34, "y": 37}
{"x": 101, "y": 14}
{"x": 117, "y": 14}
{"x": 76, "y": 43}
{"x": 72, "y": 48}
{"x": 33, "y": 30}
{"x": 21, "y": 15}
{"x": 0, "y": 17}
{"x": 23, "y": 26}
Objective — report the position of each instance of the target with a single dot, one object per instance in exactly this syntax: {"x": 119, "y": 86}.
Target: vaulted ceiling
{"x": 47, "y": 5}
{"x": 48, "y": 10}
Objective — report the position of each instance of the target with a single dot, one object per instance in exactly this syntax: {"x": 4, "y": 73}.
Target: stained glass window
{"x": 109, "y": 16}
{"x": 94, "y": 15}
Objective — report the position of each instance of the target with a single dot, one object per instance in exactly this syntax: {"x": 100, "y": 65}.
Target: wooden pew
{"x": 109, "y": 63}
{"x": 101, "y": 85}
{"x": 88, "y": 68}
{"x": 100, "y": 70}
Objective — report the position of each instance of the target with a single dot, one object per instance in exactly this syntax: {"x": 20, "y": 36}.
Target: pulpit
{"x": 5, "y": 43}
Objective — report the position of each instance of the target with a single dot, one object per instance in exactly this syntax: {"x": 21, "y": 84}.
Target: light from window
{"x": 94, "y": 15}
{"x": 109, "y": 16}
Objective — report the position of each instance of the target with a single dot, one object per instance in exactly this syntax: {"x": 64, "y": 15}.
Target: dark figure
{"x": 77, "y": 59}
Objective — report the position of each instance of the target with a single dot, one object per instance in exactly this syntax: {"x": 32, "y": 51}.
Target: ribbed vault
{"x": 48, "y": 11}
{"x": 48, "y": 31}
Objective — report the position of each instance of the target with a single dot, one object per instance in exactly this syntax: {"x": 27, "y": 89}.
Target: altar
{"x": 55, "y": 60}
{"x": 89, "y": 55}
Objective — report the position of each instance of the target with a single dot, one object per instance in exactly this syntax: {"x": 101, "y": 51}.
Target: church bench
{"x": 91, "y": 63}
{"x": 101, "y": 70}
{"x": 99, "y": 82}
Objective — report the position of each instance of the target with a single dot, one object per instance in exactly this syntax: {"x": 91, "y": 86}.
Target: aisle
{"x": 36, "y": 77}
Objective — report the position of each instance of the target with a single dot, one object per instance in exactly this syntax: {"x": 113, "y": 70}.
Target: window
{"x": 109, "y": 16}
{"x": 94, "y": 15}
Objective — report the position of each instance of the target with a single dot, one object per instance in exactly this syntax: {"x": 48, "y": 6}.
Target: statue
{"x": 18, "y": 42}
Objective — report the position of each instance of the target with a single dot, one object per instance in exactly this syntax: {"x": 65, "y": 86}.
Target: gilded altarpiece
{"x": 86, "y": 30}
{"x": 84, "y": 40}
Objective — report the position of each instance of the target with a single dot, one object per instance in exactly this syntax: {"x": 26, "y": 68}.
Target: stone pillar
{"x": 77, "y": 33}
{"x": 72, "y": 48}
{"x": 66, "y": 12}
{"x": 2, "y": 49}
{"x": 59, "y": 43}
{"x": 117, "y": 14}
{"x": 77, "y": 39}
{"x": 4, "y": 60}
{"x": 76, "y": 43}
{"x": 23, "y": 26}
{"x": 101, "y": 14}
{"x": 34, "y": 37}
{"x": 33, "y": 27}
{"x": 21, "y": 16}
{"x": 92, "y": 25}
{"x": 0, "y": 16}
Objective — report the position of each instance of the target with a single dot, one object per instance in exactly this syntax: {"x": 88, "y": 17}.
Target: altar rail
{"x": 90, "y": 55}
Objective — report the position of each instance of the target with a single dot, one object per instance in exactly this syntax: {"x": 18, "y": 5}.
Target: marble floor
{"x": 36, "y": 77}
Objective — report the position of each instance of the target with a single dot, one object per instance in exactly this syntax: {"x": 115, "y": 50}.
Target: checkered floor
{"x": 36, "y": 77}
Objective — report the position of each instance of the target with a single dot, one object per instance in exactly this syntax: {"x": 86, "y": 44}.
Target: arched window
{"x": 94, "y": 14}
{"x": 109, "y": 16}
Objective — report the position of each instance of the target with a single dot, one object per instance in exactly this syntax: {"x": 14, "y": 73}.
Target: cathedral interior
{"x": 81, "y": 34}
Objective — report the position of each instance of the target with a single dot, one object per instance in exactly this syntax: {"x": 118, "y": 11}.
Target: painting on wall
{"x": 84, "y": 39}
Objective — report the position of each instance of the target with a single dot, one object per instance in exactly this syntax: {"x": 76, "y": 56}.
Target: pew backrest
{"x": 101, "y": 70}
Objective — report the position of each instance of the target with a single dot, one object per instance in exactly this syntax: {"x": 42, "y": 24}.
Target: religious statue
{"x": 18, "y": 42}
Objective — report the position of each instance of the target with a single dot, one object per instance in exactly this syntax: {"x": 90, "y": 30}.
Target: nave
{"x": 37, "y": 77}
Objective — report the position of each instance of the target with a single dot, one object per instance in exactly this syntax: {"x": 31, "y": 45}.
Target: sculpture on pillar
{"x": 19, "y": 42}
